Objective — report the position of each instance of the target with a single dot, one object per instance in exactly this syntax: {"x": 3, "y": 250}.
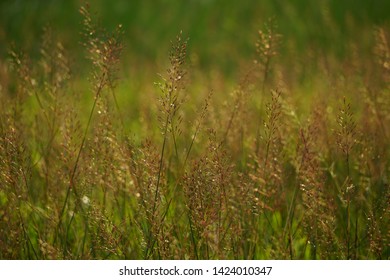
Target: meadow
{"x": 262, "y": 134}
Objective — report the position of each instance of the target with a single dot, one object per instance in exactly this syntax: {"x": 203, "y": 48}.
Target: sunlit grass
{"x": 287, "y": 158}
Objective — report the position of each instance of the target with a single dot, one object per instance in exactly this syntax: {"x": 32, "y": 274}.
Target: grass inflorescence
{"x": 268, "y": 171}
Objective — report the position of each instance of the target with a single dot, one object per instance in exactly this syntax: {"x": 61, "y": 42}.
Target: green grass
{"x": 256, "y": 142}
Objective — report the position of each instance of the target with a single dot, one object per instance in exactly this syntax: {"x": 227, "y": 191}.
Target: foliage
{"x": 277, "y": 169}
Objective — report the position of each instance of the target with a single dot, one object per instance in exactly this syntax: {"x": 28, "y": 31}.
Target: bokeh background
{"x": 219, "y": 30}
{"x": 287, "y": 159}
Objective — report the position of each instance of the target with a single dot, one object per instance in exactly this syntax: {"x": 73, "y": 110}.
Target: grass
{"x": 274, "y": 166}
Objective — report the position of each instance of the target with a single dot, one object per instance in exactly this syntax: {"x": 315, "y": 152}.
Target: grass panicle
{"x": 94, "y": 168}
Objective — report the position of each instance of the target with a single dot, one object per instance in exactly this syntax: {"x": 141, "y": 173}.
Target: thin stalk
{"x": 289, "y": 220}
{"x": 27, "y": 237}
{"x": 356, "y": 238}
{"x": 182, "y": 170}
{"x": 72, "y": 176}
{"x": 150, "y": 246}
{"x": 160, "y": 166}
{"x": 265, "y": 74}
{"x": 230, "y": 122}
{"x": 111, "y": 86}
{"x": 174, "y": 141}
{"x": 348, "y": 211}
{"x": 191, "y": 144}
{"x": 193, "y": 237}
{"x": 290, "y": 243}
{"x": 348, "y": 229}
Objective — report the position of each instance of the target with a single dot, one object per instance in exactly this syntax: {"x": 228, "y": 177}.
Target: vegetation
{"x": 290, "y": 162}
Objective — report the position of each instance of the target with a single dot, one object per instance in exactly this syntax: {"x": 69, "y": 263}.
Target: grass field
{"x": 257, "y": 132}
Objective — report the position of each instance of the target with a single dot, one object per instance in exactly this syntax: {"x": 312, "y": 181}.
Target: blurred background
{"x": 220, "y": 31}
{"x": 62, "y": 129}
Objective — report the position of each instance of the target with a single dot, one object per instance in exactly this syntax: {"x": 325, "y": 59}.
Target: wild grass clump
{"x": 270, "y": 171}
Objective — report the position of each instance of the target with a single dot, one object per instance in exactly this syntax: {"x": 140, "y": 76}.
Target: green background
{"x": 219, "y": 31}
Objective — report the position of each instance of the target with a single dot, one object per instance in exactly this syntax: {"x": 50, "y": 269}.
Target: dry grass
{"x": 267, "y": 173}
